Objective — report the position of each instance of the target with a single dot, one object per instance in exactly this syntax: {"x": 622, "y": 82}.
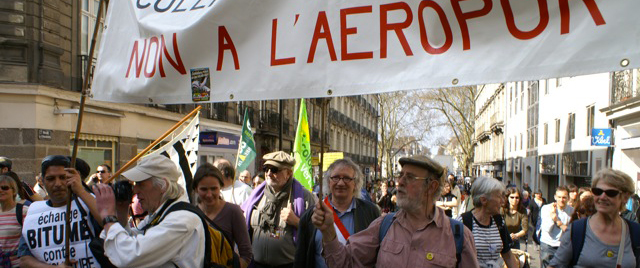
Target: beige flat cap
{"x": 279, "y": 159}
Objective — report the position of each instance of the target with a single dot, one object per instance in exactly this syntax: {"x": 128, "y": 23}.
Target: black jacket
{"x": 365, "y": 213}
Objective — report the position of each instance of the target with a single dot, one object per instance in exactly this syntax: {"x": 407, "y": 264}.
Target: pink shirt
{"x": 431, "y": 245}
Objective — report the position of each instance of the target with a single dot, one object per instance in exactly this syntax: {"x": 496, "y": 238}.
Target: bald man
{"x": 233, "y": 191}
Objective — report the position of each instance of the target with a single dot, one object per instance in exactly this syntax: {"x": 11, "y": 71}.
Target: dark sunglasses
{"x": 272, "y": 168}
{"x": 101, "y": 171}
{"x": 610, "y": 193}
{"x": 5, "y": 188}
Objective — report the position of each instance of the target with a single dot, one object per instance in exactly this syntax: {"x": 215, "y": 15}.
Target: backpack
{"x": 579, "y": 232}
{"x": 456, "y": 229}
{"x": 467, "y": 220}
{"x": 218, "y": 253}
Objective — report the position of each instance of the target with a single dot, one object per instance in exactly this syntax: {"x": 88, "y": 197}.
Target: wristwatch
{"x": 109, "y": 219}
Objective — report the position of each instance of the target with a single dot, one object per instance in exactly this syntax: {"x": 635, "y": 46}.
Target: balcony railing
{"x": 625, "y": 85}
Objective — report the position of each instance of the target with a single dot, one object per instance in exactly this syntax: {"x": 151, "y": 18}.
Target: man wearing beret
{"x": 418, "y": 235}
{"x": 273, "y": 211}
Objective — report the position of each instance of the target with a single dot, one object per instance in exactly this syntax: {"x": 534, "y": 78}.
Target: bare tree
{"x": 401, "y": 125}
{"x": 457, "y": 107}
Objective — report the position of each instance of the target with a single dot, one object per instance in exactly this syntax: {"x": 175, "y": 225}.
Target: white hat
{"x": 153, "y": 166}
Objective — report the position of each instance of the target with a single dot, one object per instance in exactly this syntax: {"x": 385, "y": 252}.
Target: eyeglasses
{"x": 409, "y": 178}
{"x": 101, "y": 171}
{"x": 272, "y": 168}
{"x": 5, "y": 188}
{"x": 343, "y": 178}
{"x": 610, "y": 193}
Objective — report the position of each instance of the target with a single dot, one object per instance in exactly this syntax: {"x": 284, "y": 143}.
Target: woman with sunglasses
{"x": 207, "y": 184}
{"x": 10, "y": 225}
{"x": 607, "y": 238}
{"x": 515, "y": 217}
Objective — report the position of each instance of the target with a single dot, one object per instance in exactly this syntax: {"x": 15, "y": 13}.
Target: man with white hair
{"x": 343, "y": 180}
{"x": 163, "y": 239}
{"x": 418, "y": 235}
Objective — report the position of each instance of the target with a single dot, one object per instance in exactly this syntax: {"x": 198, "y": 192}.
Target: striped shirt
{"x": 10, "y": 232}
{"x": 488, "y": 244}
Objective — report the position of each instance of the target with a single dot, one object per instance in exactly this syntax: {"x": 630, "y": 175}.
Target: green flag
{"x": 247, "y": 147}
{"x": 302, "y": 150}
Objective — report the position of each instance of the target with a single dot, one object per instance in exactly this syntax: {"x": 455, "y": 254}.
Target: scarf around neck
{"x": 273, "y": 204}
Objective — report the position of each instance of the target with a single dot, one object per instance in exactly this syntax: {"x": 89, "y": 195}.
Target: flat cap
{"x": 279, "y": 159}
{"x": 423, "y": 162}
{"x": 5, "y": 162}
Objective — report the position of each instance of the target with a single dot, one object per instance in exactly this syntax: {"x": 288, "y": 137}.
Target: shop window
{"x": 96, "y": 150}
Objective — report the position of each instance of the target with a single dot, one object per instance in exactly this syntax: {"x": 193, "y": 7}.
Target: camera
{"x": 123, "y": 190}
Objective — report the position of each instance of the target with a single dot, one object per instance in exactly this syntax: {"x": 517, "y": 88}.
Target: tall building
{"x": 623, "y": 114}
{"x": 43, "y": 55}
{"x": 489, "y": 158}
{"x": 353, "y": 129}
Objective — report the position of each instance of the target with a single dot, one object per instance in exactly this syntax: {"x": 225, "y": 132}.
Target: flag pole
{"x": 74, "y": 152}
{"x": 154, "y": 143}
{"x": 324, "y": 102}
{"x": 240, "y": 145}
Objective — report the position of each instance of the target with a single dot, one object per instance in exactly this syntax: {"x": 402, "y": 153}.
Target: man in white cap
{"x": 174, "y": 239}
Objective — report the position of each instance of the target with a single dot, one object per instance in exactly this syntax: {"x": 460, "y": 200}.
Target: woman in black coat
{"x": 534, "y": 212}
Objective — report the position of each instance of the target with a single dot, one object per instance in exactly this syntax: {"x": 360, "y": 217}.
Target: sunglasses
{"x": 101, "y": 171}
{"x": 610, "y": 193}
{"x": 271, "y": 168}
{"x": 5, "y": 188}
{"x": 514, "y": 197}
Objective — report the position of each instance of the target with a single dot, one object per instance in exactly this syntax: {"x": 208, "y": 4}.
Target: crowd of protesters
{"x": 424, "y": 217}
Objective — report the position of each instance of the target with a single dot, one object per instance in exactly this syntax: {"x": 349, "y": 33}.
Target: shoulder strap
{"x": 467, "y": 220}
{"x": 207, "y": 244}
{"x": 578, "y": 232}
{"x": 634, "y": 234}
{"x": 458, "y": 235}
{"x": 502, "y": 229}
{"x": 385, "y": 225}
{"x": 19, "y": 213}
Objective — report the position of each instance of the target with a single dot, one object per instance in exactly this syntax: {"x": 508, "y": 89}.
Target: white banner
{"x": 183, "y": 51}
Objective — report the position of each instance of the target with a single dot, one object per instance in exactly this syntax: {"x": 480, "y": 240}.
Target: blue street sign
{"x": 601, "y": 137}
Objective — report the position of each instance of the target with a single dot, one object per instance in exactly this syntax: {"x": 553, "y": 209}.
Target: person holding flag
{"x": 272, "y": 212}
{"x": 302, "y": 150}
{"x": 351, "y": 214}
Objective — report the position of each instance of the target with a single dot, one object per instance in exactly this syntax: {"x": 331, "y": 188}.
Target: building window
{"x": 557, "y": 130}
{"x": 520, "y": 141}
{"x": 546, "y": 87}
{"x": 572, "y": 126}
{"x": 96, "y": 150}
{"x": 546, "y": 133}
{"x": 590, "y": 119}
{"x": 89, "y": 14}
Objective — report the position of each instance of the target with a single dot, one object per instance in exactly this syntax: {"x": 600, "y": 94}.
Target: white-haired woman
{"x": 489, "y": 231}
{"x": 605, "y": 237}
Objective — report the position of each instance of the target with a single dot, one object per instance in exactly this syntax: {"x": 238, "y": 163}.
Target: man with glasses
{"x": 554, "y": 219}
{"x": 418, "y": 235}
{"x": 343, "y": 180}
{"x": 273, "y": 212}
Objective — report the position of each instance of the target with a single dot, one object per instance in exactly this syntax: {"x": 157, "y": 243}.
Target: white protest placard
{"x": 184, "y": 51}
